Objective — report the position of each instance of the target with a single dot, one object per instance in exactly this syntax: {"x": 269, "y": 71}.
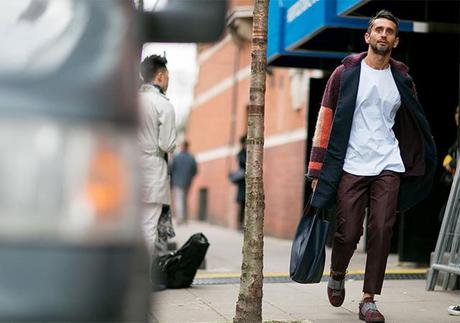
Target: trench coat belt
{"x": 157, "y": 153}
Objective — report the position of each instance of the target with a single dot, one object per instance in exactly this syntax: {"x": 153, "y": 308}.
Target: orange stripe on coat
{"x": 315, "y": 165}
{"x": 323, "y": 127}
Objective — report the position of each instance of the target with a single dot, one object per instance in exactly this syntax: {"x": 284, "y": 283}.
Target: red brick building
{"x": 218, "y": 118}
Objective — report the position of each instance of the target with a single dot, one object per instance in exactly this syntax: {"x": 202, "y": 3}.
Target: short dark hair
{"x": 151, "y": 66}
{"x": 185, "y": 144}
{"x": 383, "y": 14}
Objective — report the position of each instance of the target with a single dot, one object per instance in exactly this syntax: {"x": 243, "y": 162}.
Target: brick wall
{"x": 217, "y": 121}
{"x": 283, "y": 186}
{"x": 221, "y": 193}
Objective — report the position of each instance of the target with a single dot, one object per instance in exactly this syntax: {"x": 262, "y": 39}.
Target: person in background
{"x": 450, "y": 160}
{"x": 373, "y": 148}
{"x": 157, "y": 138}
{"x": 450, "y": 165}
{"x": 241, "y": 193}
{"x": 183, "y": 170}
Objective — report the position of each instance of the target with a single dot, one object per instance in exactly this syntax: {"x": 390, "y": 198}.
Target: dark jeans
{"x": 354, "y": 194}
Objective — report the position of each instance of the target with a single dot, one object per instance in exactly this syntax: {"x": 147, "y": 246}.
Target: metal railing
{"x": 446, "y": 257}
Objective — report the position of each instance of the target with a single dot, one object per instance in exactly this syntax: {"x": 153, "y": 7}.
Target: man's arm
{"x": 167, "y": 129}
{"x": 195, "y": 168}
{"x": 173, "y": 165}
{"x": 323, "y": 126}
{"x": 320, "y": 141}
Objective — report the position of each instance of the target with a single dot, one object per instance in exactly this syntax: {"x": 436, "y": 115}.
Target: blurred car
{"x": 71, "y": 246}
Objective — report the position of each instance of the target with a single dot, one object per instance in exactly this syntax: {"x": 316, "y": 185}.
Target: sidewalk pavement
{"x": 213, "y": 296}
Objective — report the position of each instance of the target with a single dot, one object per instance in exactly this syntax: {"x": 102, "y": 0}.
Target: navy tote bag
{"x": 308, "y": 248}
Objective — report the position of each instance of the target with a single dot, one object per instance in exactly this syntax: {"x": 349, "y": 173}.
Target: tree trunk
{"x": 249, "y": 305}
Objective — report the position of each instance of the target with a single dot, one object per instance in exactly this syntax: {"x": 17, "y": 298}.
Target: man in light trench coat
{"x": 157, "y": 138}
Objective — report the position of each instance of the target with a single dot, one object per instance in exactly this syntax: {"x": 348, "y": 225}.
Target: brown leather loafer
{"x": 336, "y": 291}
{"x": 369, "y": 313}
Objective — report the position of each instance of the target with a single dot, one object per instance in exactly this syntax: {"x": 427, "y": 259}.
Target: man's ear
{"x": 367, "y": 38}
{"x": 396, "y": 42}
{"x": 159, "y": 77}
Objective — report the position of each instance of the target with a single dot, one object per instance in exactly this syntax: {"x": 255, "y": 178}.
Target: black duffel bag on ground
{"x": 178, "y": 268}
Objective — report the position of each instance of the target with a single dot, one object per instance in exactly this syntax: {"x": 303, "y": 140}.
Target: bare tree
{"x": 249, "y": 304}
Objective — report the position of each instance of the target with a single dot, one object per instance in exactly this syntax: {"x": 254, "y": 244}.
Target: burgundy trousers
{"x": 354, "y": 194}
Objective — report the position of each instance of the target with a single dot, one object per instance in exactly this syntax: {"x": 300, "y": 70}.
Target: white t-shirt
{"x": 373, "y": 146}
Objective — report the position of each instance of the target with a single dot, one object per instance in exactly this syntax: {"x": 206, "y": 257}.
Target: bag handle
{"x": 308, "y": 206}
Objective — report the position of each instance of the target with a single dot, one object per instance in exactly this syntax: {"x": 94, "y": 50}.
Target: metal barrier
{"x": 446, "y": 257}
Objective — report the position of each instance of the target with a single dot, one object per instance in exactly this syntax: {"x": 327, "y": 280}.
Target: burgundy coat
{"x": 333, "y": 127}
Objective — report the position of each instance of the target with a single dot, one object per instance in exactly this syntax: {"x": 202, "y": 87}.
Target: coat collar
{"x": 355, "y": 59}
{"x": 146, "y": 87}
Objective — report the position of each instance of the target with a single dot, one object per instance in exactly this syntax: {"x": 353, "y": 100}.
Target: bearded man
{"x": 372, "y": 148}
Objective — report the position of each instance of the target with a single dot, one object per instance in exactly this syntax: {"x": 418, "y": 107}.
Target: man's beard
{"x": 380, "y": 51}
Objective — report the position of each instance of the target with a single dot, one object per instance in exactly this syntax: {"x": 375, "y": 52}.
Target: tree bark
{"x": 249, "y": 304}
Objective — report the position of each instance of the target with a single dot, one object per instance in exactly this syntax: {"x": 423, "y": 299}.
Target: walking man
{"x": 157, "y": 138}
{"x": 372, "y": 148}
{"x": 183, "y": 169}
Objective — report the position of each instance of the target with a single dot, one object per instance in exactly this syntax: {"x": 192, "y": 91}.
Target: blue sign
{"x": 344, "y": 7}
{"x": 277, "y": 33}
{"x": 293, "y": 23}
